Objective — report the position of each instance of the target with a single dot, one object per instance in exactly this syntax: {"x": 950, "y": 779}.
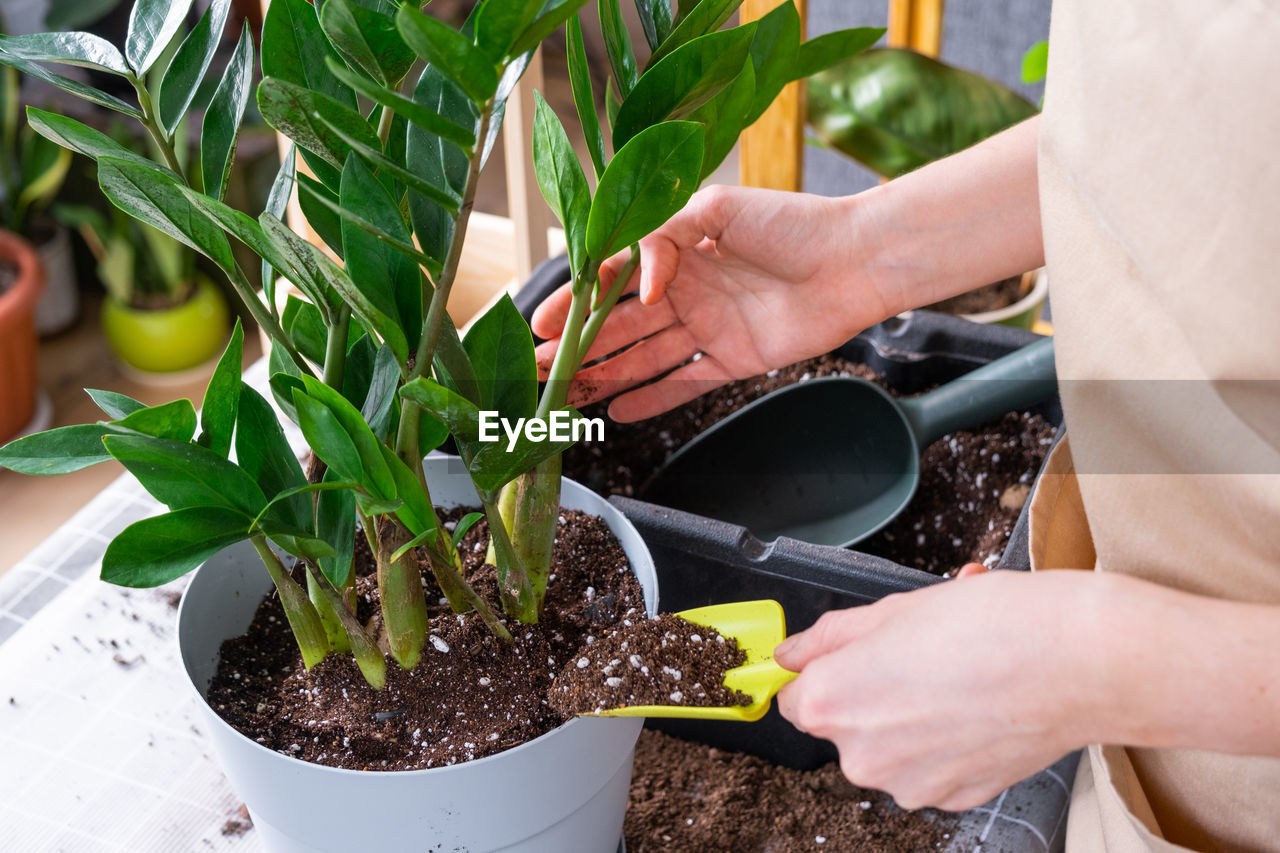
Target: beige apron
{"x": 1160, "y": 196}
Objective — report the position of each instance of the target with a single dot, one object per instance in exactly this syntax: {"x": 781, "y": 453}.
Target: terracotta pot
{"x": 18, "y": 361}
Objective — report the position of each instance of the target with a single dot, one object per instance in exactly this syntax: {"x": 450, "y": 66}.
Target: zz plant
{"x": 393, "y": 114}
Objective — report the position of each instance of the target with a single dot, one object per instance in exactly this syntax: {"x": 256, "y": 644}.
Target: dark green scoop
{"x": 833, "y": 460}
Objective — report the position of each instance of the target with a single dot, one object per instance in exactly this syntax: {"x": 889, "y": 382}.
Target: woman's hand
{"x": 750, "y": 279}
{"x": 946, "y": 696}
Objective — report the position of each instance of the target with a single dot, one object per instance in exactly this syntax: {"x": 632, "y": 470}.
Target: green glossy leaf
{"x": 460, "y": 529}
{"x": 285, "y": 376}
{"x": 264, "y": 453}
{"x": 459, "y": 414}
{"x": 706, "y": 17}
{"x": 416, "y": 113}
{"x": 555, "y": 13}
{"x": 655, "y": 18}
{"x": 501, "y": 349}
{"x": 500, "y": 22}
{"x": 222, "y": 120}
{"x": 181, "y": 475}
{"x": 725, "y": 117}
{"x": 584, "y": 98}
{"x": 436, "y": 160}
{"x": 336, "y": 524}
{"x": 365, "y": 34}
{"x": 380, "y": 398}
{"x": 296, "y": 50}
{"x": 297, "y": 112}
{"x": 306, "y": 266}
{"x": 373, "y": 475}
{"x": 896, "y": 110}
{"x": 685, "y": 80}
{"x": 189, "y": 65}
{"x": 611, "y": 103}
{"x": 174, "y": 421}
{"x": 157, "y": 550}
{"x": 277, "y": 204}
{"x": 305, "y": 327}
{"x": 113, "y": 404}
{"x": 75, "y": 87}
{"x": 561, "y": 179}
{"x": 452, "y": 52}
{"x": 773, "y": 56}
{"x": 494, "y": 465}
{"x": 617, "y": 44}
{"x": 159, "y": 201}
{"x": 322, "y": 217}
{"x": 56, "y": 451}
{"x": 296, "y": 542}
{"x": 152, "y": 24}
{"x": 83, "y": 139}
{"x": 357, "y": 374}
{"x": 415, "y": 511}
{"x": 326, "y": 437}
{"x": 349, "y": 215}
{"x": 819, "y": 54}
{"x": 645, "y": 184}
{"x": 222, "y": 397}
{"x": 85, "y": 50}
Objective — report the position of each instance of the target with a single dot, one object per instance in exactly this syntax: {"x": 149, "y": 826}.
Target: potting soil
{"x": 663, "y": 661}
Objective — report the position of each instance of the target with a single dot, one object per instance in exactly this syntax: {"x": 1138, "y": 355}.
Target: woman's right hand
{"x": 745, "y": 279}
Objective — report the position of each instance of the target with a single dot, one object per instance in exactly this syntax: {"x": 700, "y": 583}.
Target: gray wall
{"x": 986, "y": 36}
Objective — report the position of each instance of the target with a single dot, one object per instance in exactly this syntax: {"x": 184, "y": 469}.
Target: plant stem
{"x": 366, "y": 652}
{"x": 162, "y": 140}
{"x": 304, "y": 621}
{"x": 263, "y": 318}
{"x": 513, "y": 582}
{"x": 447, "y": 569}
{"x": 335, "y": 352}
{"x": 601, "y": 311}
{"x": 329, "y": 618}
{"x": 567, "y": 358}
{"x": 404, "y": 604}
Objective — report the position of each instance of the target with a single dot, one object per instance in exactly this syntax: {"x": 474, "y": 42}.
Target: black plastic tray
{"x": 702, "y": 561}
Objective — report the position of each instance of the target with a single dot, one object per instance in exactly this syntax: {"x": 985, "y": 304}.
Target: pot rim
{"x": 1039, "y": 290}
{"x": 29, "y": 284}
{"x": 392, "y": 774}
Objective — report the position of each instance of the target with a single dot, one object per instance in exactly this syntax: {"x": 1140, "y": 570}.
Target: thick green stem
{"x": 362, "y": 647}
{"x": 335, "y": 353}
{"x": 447, "y": 569}
{"x": 304, "y": 621}
{"x": 514, "y": 585}
{"x": 329, "y": 617}
{"x": 530, "y": 506}
{"x": 601, "y": 311}
{"x": 567, "y": 360}
{"x": 264, "y": 318}
{"x": 404, "y": 604}
{"x": 161, "y": 139}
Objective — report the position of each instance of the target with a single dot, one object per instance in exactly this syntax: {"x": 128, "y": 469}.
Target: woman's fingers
{"x": 650, "y": 358}
{"x": 679, "y": 387}
{"x": 629, "y": 323}
{"x": 549, "y": 316}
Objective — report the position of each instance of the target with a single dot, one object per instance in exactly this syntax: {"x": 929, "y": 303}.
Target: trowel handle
{"x": 1021, "y": 378}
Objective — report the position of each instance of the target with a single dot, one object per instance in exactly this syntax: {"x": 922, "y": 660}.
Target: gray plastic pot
{"x": 566, "y": 790}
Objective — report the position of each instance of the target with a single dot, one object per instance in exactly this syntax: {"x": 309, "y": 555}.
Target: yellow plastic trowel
{"x": 758, "y": 626}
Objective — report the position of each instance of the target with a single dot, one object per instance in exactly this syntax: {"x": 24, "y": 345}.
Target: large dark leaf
{"x": 584, "y": 98}
{"x": 655, "y": 18}
{"x": 83, "y": 49}
{"x": 222, "y": 120}
{"x": 437, "y": 161}
{"x": 151, "y": 26}
{"x": 373, "y": 470}
{"x": 896, "y": 110}
{"x": 181, "y": 475}
{"x": 157, "y": 550}
{"x": 617, "y": 44}
{"x": 158, "y": 200}
{"x": 364, "y": 31}
{"x": 75, "y": 87}
{"x": 561, "y": 179}
{"x": 685, "y": 80}
{"x": 295, "y": 49}
{"x": 450, "y": 51}
{"x": 501, "y": 350}
{"x": 390, "y": 280}
{"x": 645, "y": 184}
{"x": 500, "y": 22}
{"x": 187, "y": 68}
{"x": 264, "y": 453}
{"x": 222, "y": 397}
{"x": 725, "y": 117}
{"x": 425, "y": 117}
{"x": 773, "y": 56}
{"x": 322, "y": 217}
{"x": 708, "y": 16}
{"x": 297, "y": 112}
{"x": 336, "y": 524}
{"x": 555, "y": 13}
{"x": 497, "y": 463}
{"x": 83, "y": 139}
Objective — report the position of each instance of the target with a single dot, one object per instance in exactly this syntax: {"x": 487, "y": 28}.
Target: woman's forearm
{"x": 1173, "y": 669}
{"x": 962, "y": 222}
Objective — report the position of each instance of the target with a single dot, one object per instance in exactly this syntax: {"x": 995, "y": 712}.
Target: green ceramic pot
{"x": 169, "y": 340}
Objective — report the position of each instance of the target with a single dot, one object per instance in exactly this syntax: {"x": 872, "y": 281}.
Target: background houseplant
{"x": 369, "y": 365}
{"x": 894, "y": 110}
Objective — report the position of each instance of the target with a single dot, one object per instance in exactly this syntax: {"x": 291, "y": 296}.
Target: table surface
{"x": 101, "y": 746}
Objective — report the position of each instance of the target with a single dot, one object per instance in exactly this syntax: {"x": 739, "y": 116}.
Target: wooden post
{"x": 771, "y": 151}
{"x": 916, "y": 24}
{"x": 524, "y": 200}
